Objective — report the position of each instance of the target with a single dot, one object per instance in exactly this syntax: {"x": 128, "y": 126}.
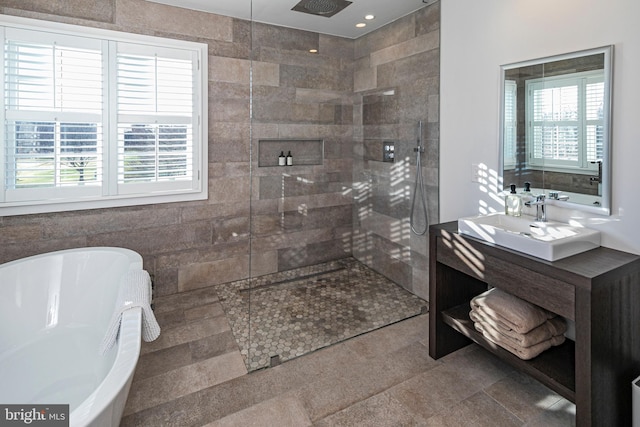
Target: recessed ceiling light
{"x": 369, "y": 17}
{"x": 361, "y": 25}
{"x": 313, "y": 50}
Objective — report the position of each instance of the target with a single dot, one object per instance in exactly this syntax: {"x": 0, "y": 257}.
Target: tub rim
{"x": 121, "y": 373}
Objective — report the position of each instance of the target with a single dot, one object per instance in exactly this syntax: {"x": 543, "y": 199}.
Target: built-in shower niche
{"x": 304, "y": 151}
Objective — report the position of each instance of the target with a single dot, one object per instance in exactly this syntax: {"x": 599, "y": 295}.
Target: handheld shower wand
{"x": 419, "y": 149}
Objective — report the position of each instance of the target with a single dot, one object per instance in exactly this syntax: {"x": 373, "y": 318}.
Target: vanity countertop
{"x": 590, "y": 264}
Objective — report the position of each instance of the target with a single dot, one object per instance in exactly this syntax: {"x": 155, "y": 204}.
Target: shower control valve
{"x": 388, "y": 151}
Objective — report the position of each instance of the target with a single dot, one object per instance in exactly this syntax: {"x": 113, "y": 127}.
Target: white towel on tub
{"x": 135, "y": 291}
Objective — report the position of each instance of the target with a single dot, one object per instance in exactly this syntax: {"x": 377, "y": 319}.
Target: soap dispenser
{"x": 526, "y": 195}
{"x": 289, "y": 159}
{"x": 513, "y": 202}
{"x": 281, "y": 159}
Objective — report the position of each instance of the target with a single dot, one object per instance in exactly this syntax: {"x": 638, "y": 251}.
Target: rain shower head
{"x": 326, "y": 8}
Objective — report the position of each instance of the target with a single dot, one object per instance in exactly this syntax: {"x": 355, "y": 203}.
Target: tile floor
{"x": 298, "y": 311}
{"x": 194, "y": 375}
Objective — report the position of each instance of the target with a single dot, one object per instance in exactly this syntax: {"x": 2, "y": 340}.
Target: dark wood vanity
{"x": 598, "y": 289}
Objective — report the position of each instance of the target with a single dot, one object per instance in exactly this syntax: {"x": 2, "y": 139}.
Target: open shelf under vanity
{"x": 599, "y": 290}
{"x": 554, "y": 367}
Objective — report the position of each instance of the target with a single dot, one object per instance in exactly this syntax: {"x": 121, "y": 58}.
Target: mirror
{"x": 555, "y": 128}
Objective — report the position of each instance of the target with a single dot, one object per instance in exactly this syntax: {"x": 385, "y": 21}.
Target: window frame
{"x": 111, "y": 196}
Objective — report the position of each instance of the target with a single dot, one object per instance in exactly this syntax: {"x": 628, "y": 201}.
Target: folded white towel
{"x": 135, "y": 291}
{"x": 549, "y": 329}
{"x": 524, "y": 353}
{"x": 519, "y": 315}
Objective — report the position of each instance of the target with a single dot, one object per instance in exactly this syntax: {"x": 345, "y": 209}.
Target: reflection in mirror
{"x": 555, "y": 127}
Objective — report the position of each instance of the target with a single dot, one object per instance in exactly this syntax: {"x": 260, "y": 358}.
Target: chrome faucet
{"x": 539, "y": 203}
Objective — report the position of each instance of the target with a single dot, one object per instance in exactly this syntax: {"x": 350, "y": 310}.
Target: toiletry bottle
{"x": 513, "y": 202}
{"x": 289, "y": 159}
{"x": 281, "y": 159}
{"x": 526, "y": 195}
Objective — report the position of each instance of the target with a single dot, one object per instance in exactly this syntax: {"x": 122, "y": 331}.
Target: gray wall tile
{"x": 312, "y": 218}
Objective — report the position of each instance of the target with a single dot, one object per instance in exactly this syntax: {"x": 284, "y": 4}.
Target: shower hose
{"x": 419, "y": 186}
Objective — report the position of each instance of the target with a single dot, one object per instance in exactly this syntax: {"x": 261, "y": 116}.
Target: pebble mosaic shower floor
{"x": 298, "y": 311}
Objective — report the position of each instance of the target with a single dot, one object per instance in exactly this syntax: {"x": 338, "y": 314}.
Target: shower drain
{"x": 326, "y": 8}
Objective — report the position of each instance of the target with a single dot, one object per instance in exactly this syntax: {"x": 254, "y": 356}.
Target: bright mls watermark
{"x": 34, "y": 415}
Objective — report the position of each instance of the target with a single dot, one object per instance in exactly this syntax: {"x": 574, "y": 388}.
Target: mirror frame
{"x": 605, "y": 204}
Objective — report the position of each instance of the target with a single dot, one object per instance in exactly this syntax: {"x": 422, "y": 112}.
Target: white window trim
{"x": 199, "y": 189}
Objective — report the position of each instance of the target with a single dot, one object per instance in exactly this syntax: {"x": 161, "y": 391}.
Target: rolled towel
{"x": 134, "y": 291}
{"x": 518, "y": 314}
{"x": 524, "y": 353}
{"x": 549, "y": 329}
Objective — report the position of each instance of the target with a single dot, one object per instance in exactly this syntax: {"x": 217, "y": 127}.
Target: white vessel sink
{"x": 547, "y": 240}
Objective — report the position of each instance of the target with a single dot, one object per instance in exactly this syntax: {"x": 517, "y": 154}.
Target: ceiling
{"x": 278, "y": 12}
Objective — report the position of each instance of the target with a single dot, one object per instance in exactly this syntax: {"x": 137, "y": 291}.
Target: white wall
{"x": 479, "y": 36}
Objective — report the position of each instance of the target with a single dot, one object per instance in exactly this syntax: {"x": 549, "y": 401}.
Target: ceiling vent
{"x": 326, "y": 8}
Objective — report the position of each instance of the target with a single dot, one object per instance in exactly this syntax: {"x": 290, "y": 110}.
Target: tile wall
{"x": 184, "y": 245}
{"x": 299, "y": 215}
{"x": 396, "y": 82}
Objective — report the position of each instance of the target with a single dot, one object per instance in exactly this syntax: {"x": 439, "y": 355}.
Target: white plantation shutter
{"x": 556, "y": 122}
{"x": 155, "y": 105}
{"x": 91, "y": 119}
{"x": 594, "y": 119}
{"x": 54, "y": 102}
{"x": 510, "y": 124}
{"x": 59, "y": 73}
{"x": 565, "y": 121}
{"x": 157, "y": 84}
{"x": 155, "y": 116}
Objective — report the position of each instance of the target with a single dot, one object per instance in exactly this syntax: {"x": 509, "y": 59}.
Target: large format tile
{"x": 478, "y": 410}
{"x": 381, "y": 378}
{"x": 419, "y": 395}
{"x": 189, "y": 332}
{"x": 347, "y": 378}
{"x": 159, "y": 17}
{"x": 153, "y": 391}
{"x": 562, "y": 414}
{"x": 161, "y": 361}
{"x": 523, "y": 396}
{"x": 281, "y": 412}
{"x": 101, "y": 11}
{"x": 380, "y": 410}
{"x": 185, "y": 300}
{"x": 194, "y": 375}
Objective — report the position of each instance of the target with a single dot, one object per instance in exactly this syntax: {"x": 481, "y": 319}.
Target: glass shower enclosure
{"x": 337, "y": 214}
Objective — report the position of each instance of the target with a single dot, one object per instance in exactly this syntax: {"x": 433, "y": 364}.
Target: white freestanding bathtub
{"x": 54, "y": 311}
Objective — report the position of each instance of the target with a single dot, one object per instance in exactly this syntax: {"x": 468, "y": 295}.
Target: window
{"x": 96, "y": 118}
{"x": 565, "y": 119}
{"x": 510, "y": 124}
